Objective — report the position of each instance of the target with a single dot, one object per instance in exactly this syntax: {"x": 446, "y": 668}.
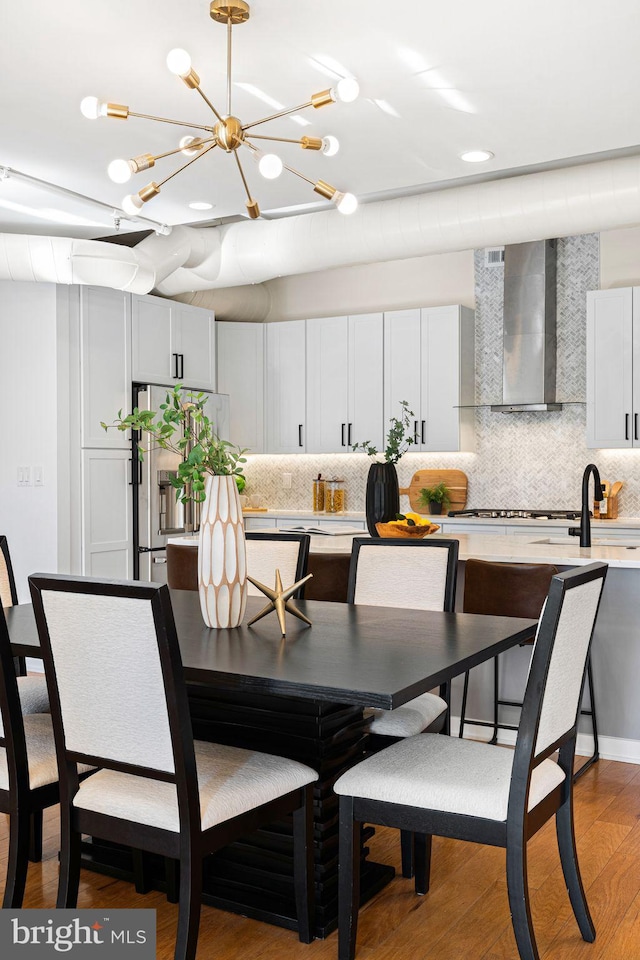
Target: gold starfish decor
{"x": 279, "y": 601}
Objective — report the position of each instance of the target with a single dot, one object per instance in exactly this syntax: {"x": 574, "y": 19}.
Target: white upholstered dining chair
{"x": 477, "y": 791}
{"x": 268, "y": 552}
{"x": 419, "y": 575}
{"x": 28, "y": 773}
{"x": 157, "y": 789}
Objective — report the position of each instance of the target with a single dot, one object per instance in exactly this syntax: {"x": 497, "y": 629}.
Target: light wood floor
{"x": 464, "y": 917}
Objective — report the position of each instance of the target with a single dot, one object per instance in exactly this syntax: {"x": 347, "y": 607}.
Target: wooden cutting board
{"x": 455, "y": 480}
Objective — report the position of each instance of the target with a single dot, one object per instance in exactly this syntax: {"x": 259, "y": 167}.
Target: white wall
{"x": 620, "y": 258}
{"x": 28, "y": 426}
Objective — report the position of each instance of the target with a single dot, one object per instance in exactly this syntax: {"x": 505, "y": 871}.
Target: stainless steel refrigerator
{"x": 157, "y": 515}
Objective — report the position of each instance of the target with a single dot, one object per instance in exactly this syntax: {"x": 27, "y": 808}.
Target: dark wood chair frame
{"x": 303, "y": 553}
{"x": 21, "y": 663}
{"x": 498, "y": 702}
{"x": 376, "y": 743}
{"x": 190, "y": 844}
{"x": 515, "y": 831}
{"x": 23, "y": 805}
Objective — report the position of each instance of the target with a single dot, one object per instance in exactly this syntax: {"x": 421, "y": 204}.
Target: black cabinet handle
{"x": 342, "y": 434}
{"x": 175, "y": 365}
{"x": 415, "y": 432}
{"x": 635, "y": 426}
{"x": 423, "y": 434}
{"x": 181, "y": 374}
{"x": 349, "y": 428}
{"x": 136, "y": 472}
{"x": 626, "y": 426}
{"x": 300, "y": 444}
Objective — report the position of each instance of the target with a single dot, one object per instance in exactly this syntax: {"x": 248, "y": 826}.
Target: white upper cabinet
{"x": 240, "y": 355}
{"x": 105, "y": 368}
{"x": 172, "y": 342}
{"x": 344, "y": 382}
{"x": 285, "y": 387}
{"x": 429, "y": 362}
{"x": 613, "y": 367}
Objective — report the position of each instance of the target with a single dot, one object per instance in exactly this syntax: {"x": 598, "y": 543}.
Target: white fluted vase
{"x": 222, "y": 566}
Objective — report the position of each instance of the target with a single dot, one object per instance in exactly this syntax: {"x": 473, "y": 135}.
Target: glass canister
{"x": 318, "y": 495}
{"x": 334, "y": 496}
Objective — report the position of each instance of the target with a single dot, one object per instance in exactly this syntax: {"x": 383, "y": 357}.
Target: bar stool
{"x": 513, "y": 590}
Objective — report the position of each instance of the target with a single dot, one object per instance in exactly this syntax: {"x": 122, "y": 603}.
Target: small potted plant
{"x": 435, "y": 498}
{"x": 382, "y": 501}
{"x": 207, "y": 473}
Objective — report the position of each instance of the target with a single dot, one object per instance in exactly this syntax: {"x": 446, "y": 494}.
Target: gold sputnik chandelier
{"x": 228, "y": 133}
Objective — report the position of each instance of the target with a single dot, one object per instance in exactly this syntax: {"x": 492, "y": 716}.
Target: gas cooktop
{"x": 486, "y": 514}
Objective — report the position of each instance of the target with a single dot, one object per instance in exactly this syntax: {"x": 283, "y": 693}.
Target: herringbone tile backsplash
{"x": 524, "y": 460}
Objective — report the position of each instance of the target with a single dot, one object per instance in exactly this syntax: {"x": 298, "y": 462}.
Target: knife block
{"x": 612, "y": 509}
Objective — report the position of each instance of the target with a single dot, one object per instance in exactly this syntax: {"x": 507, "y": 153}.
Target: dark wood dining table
{"x": 303, "y": 696}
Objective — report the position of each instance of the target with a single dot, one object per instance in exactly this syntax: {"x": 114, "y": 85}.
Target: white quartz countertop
{"x": 513, "y": 549}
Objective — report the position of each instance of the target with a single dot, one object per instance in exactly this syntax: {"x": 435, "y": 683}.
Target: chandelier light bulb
{"x": 187, "y": 148}
{"x": 179, "y": 62}
{"x": 132, "y": 205}
{"x": 270, "y": 166}
{"x": 92, "y": 108}
{"x": 345, "y": 202}
{"x": 346, "y": 90}
{"x": 120, "y": 171}
{"x": 330, "y": 146}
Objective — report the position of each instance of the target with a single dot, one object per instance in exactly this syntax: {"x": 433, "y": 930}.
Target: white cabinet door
{"x": 365, "y": 409}
{"x": 151, "y": 359}
{"x": 105, "y": 335}
{"x": 327, "y": 387}
{"x": 610, "y": 368}
{"x": 193, "y": 343}
{"x": 447, "y": 378}
{"x": 106, "y": 514}
{"x": 285, "y": 379}
{"x": 403, "y": 367}
{"x": 172, "y": 342}
{"x": 240, "y": 358}
{"x": 429, "y": 362}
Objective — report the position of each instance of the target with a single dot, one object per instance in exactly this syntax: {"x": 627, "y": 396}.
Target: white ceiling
{"x": 534, "y": 82}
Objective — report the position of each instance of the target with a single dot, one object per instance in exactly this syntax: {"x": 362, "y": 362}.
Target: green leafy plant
{"x": 438, "y": 494}
{"x": 399, "y": 438}
{"x": 182, "y": 426}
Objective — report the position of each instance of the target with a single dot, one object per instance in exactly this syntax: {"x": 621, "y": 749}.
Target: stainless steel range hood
{"x": 529, "y": 329}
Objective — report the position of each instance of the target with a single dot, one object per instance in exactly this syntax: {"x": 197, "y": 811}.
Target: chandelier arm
{"x": 209, "y": 104}
{"x": 184, "y": 166}
{"x": 298, "y": 174}
{"x": 170, "y": 153}
{"x": 257, "y": 136}
{"x": 229, "y": 28}
{"x": 178, "y": 123}
{"x": 275, "y": 116}
{"x": 244, "y": 179}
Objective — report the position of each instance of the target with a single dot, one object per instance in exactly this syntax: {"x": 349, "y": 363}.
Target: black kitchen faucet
{"x": 584, "y": 530}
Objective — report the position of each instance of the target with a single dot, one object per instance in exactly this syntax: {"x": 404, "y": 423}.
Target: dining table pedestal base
{"x": 254, "y": 875}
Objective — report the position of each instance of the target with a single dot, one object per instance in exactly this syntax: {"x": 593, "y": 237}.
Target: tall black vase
{"x": 383, "y": 496}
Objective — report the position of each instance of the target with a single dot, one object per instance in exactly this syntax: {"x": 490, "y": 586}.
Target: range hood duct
{"x": 529, "y": 329}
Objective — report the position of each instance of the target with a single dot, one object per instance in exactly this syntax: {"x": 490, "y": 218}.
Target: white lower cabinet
{"x": 106, "y": 514}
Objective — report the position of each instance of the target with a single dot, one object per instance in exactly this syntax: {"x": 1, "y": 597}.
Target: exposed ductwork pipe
{"x": 555, "y": 203}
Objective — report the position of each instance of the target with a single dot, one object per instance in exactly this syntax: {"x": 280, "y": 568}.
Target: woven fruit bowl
{"x": 406, "y": 531}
